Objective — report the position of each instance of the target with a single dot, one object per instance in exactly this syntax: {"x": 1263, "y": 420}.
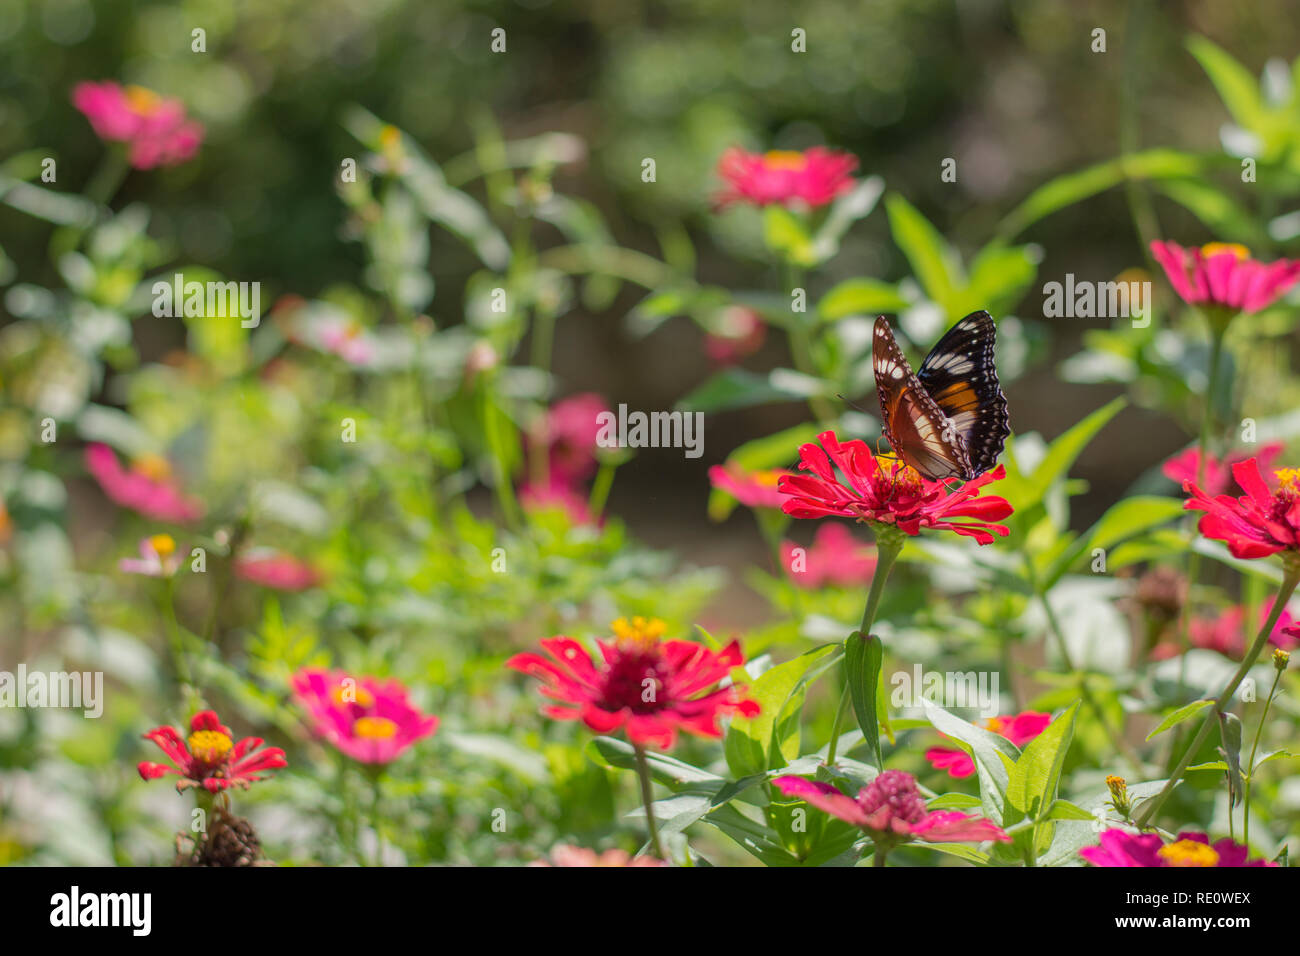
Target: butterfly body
{"x": 949, "y": 418}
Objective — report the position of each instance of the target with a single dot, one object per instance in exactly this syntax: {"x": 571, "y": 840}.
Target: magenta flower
{"x": 209, "y": 757}
{"x": 753, "y": 489}
{"x": 1018, "y": 728}
{"x": 1218, "y": 472}
{"x": 368, "y": 719}
{"x": 156, "y": 130}
{"x": 836, "y": 557}
{"x": 567, "y": 434}
{"x": 1227, "y": 633}
{"x": 738, "y": 333}
{"x": 276, "y": 570}
{"x": 1120, "y": 848}
{"x": 566, "y": 855}
{"x": 891, "y": 810}
{"x": 559, "y": 495}
{"x": 1261, "y": 522}
{"x": 158, "y": 558}
{"x": 1224, "y": 276}
{"x": 147, "y": 488}
{"x": 812, "y": 178}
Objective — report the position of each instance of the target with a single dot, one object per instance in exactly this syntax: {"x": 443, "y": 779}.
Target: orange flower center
{"x": 995, "y": 724}
{"x": 1189, "y": 853}
{"x": 1288, "y": 482}
{"x": 345, "y": 696}
{"x": 1213, "y": 248}
{"x": 638, "y": 634}
{"x": 785, "y": 159}
{"x": 142, "y": 101}
{"x": 374, "y": 728}
{"x": 210, "y": 747}
{"x": 153, "y": 467}
{"x": 767, "y": 479}
{"x": 163, "y": 545}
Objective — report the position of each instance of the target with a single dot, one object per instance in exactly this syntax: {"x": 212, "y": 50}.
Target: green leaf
{"x": 1179, "y": 715}
{"x": 1230, "y": 736}
{"x": 755, "y": 838}
{"x": 992, "y": 753}
{"x": 933, "y": 261}
{"x": 1235, "y": 84}
{"x": 737, "y": 388}
{"x": 860, "y": 297}
{"x": 675, "y": 774}
{"x": 962, "y": 851}
{"x": 1125, "y": 519}
{"x": 1033, "y": 784}
{"x": 1065, "y": 810}
{"x": 787, "y": 236}
{"x": 862, "y": 657}
{"x": 771, "y": 739}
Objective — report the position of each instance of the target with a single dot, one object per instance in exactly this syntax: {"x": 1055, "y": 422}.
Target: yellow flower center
{"x": 639, "y": 633}
{"x": 162, "y": 545}
{"x": 768, "y": 479}
{"x": 343, "y": 696}
{"x": 210, "y": 746}
{"x": 785, "y": 159}
{"x": 153, "y": 467}
{"x": 995, "y": 724}
{"x": 1236, "y": 248}
{"x": 143, "y": 101}
{"x": 1288, "y": 481}
{"x": 1189, "y": 853}
{"x": 374, "y": 728}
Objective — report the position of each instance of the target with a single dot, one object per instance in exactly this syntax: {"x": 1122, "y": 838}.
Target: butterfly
{"x": 949, "y": 420}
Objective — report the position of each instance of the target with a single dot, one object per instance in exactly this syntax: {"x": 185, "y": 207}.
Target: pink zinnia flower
{"x": 1227, "y": 633}
{"x": 1261, "y": 522}
{"x": 811, "y": 178}
{"x": 1218, "y": 472}
{"x": 899, "y": 497}
{"x": 559, "y": 495}
{"x": 836, "y": 557}
{"x": 652, "y": 688}
{"x": 155, "y": 129}
{"x": 1120, "y": 848}
{"x": 738, "y": 333}
{"x": 158, "y": 558}
{"x": 368, "y": 719}
{"x": 753, "y": 489}
{"x": 1224, "y": 276}
{"x": 1018, "y": 728}
{"x": 209, "y": 757}
{"x": 565, "y": 855}
{"x": 567, "y": 435}
{"x": 276, "y": 570}
{"x": 891, "y": 810}
{"x": 147, "y": 488}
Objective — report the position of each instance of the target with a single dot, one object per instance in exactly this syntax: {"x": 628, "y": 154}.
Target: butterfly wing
{"x": 917, "y": 429}
{"x": 960, "y": 376}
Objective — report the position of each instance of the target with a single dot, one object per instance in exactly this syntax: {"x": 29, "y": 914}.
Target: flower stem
{"x": 1250, "y": 767}
{"x": 1290, "y": 578}
{"x": 878, "y": 857}
{"x": 888, "y": 547}
{"x": 647, "y": 798}
{"x": 1216, "y": 361}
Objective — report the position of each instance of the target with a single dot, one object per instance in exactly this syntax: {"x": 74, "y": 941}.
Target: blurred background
{"x": 1012, "y": 90}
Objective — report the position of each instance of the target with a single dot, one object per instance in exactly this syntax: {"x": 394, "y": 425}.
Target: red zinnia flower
{"x": 1120, "y": 848}
{"x": 276, "y": 570}
{"x": 1260, "y": 523}
{"x": 899, "y": 497}
{"x": 147, "y": 488}
{"x": 812, "y": 178}
{"x": 565, "y": 855}
{"x": 753, "y": 489}
{"x": 567, "y": 434}
{"x": 155, "y": 129}
{"x": 1227, "y": 633}
{"x": 1019, "y": 729}
{"x": 210, "y": 758}
{"x": 652, "y": 688}
{"x": 891, "y": 809}
{"x": 1218, "y": 472}
{"x": 836, "y": 557}
{"x": 368, "y": 719}
{"x": 1224, "y": 276}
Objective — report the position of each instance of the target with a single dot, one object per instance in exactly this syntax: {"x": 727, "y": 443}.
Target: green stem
{"x": 1290, "y": 578}
{"x": 878, "y": 857}
{"x": 600, "y": 488}
{"x": 1216, "y": 361}
{"x": 647, "y": 799}
{"x": 1250, "y": 767}
{"x": 888, "y": 547}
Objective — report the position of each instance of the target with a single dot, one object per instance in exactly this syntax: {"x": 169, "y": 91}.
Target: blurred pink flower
{"x": 155, "y": 129}
{"x": 811, "y": 178}
{"x": 158, "y": 558}
{"x": 753, "y": 489}
{"x": 368, "y": 719}
{"x": 1218, "y": 471}
{"x": 147, "y": 488}
{"x": 835, "y": 557}
{"x": 891, "y": 810}
{"x": 1224, "y": 275}
{"x": 567, "y": 435}
{"x": 1017, "y": 728}
{"x": 566, "y": 497}
{"x": 276, "y": 570}
{"x": 565, "y": 855}
{"x": 738, "y": 333}
{"x": 1120, "y": 848}
{"x": 1227, "y": 633}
